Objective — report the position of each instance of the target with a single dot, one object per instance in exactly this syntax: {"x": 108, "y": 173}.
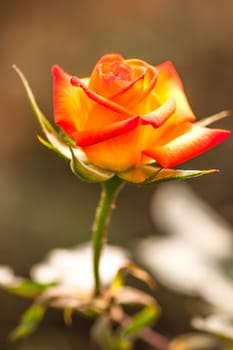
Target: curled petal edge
{"x": 160, "y": 115}
{"x": 115, "y": 107}
{"x": 91, "y": 137}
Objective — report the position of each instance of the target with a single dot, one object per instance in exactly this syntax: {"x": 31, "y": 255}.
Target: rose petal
{"x": 139, "y": 175}
{"x": 118, "y": 153}
{"x": 160, "y": 115}
{"x": 95, "y": 83}
{"x": 128, "y": 87}
{"x": 134, "y": 94}
{"x": 110, "y": 76}
{"x": 187, "y": 146}
{"x": 139, "y": 99}
{"x": 68, "y": 102}
{"x": 109, "y": 58}
{"x": 125, "y": 82}
{"x": 169, "y": 85}
{"x": 91, "y": 137}
{"x": 75, "y": 81}
{"x": 150, "y": 77}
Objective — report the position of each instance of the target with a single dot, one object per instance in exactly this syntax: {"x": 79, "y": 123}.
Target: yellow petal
{"x": 119, "y": 153}
{"x": 169, "y": 85}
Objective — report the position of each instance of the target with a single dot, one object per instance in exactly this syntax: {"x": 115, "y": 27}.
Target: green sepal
{"x": 48, "y": 145}
{"x": 143, "y": 319}
{"x": 63, "y": 144}
{"x": 147, "y": 174}
{"x": 87, "y": 171}
{"x": 29, "y": 322}
{"x": 55, "y": 141}
{"x": 178, "y": 174}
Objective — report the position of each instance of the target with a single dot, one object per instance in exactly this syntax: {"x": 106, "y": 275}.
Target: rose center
{"x": 121, "y": 70}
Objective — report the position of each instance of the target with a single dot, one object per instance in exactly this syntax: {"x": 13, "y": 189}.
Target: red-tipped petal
{"x": 189, "y": 145}
{"x": 67, "y": 100}
{"x": 91, "y": 137}
{"x": 100, "y": 99}
{"x": 160, "y": 115}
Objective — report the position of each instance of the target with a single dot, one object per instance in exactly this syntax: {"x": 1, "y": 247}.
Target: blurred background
{"x": 43, "y": 205}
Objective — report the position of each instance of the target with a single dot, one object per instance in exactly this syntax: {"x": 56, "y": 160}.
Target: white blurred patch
{"x": 217, "y": 324}
{"x": 178, "y": 210}
{"x": 187, "y": 259}
{"x": 73, "y": 267}
{"x": 7, "y": 276}
{"x": 175, "y": 263}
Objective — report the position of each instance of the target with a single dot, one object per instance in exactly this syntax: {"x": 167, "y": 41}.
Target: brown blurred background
{"x": 42, "y": 204}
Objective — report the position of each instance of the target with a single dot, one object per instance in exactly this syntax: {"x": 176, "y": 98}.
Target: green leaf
{"x": 29, "y": 322}
{"x": 143, "y": 319}
{"x": 87, "y": 171}
{"x": 28, "y": 288}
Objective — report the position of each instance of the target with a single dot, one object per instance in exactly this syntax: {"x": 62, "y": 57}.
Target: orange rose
{"x": 129, "y": 113}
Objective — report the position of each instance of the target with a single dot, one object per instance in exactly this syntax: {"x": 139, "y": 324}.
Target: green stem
{"x": 110, "y": 189}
